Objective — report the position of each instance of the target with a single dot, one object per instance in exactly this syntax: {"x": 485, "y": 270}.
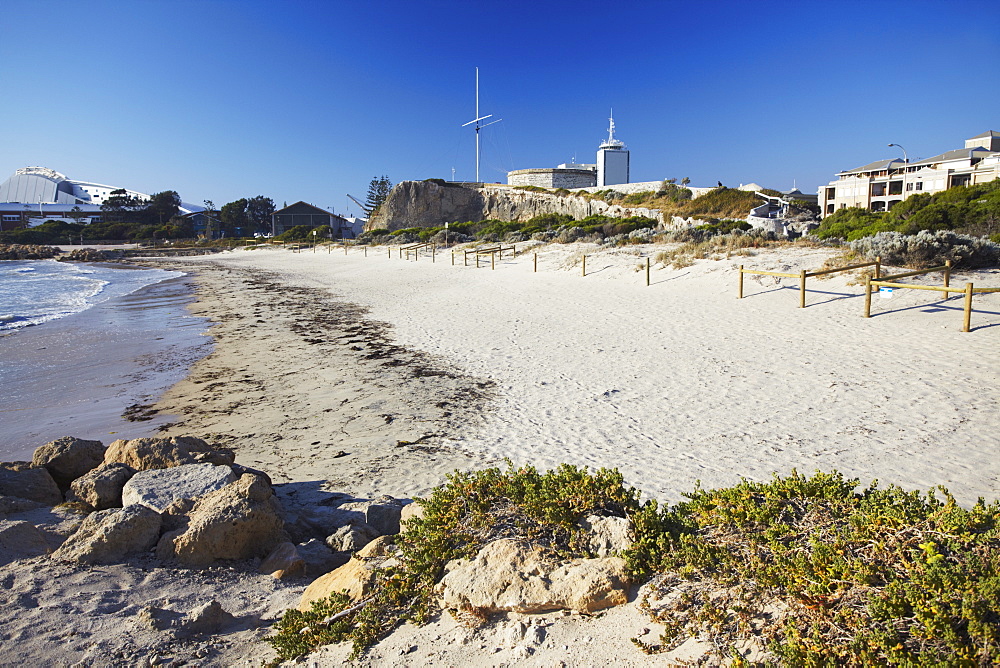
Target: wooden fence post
{"x": 947, "y": 277}
{"x": 477, "y": 260}
{"x": 433, "y": 253}
{"x": 740, "y": 296}
{"x": 493, "y": 260}
{"x": 366, "y": 251}
{"x": 968, "y": 308}
{"x": 647, "y": 271}
{"x": 868, "y": 297}
{"x": 878, "y": 267}
{"x": 584, "y": 273}
{"x": 802, "y": 289}
{"x": 535, "y": 262}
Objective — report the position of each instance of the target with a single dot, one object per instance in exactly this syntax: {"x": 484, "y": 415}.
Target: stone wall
{"x": 553, "y": 178}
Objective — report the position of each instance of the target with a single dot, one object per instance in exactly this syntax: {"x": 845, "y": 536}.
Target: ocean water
{"x": 83, "y": 344}
{"x": 36, "y": 291}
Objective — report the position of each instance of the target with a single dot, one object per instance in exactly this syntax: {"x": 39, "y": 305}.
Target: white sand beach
{"x": 674, "y": 383}
{"x": 370, "y": 375}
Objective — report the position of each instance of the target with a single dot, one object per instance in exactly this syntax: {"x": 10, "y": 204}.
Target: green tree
{"x": 123, "y": 208}
{"x": 77, "y": 214}
{"x": 211, "y": 217}
{"x": 234, "y": 217}
{"x": 162, "y": 207}
{"x": 378, "y": 192}
{"x": 685, "y": 181}
{"x": 259, "y": 210}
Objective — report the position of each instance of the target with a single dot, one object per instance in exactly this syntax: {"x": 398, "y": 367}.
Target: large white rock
{"x": 512, "y": 576}
{"x": 607, "y": 536}
{"x": 158, "y": 488}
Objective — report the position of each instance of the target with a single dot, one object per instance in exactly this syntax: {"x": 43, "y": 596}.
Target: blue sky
{"x": 309, "y": 100}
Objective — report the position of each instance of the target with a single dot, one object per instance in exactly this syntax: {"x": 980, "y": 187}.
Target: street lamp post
{"x": 906, "y": 162}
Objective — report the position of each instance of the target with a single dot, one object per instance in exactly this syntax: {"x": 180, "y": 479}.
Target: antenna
{"x": 478, "y": 126}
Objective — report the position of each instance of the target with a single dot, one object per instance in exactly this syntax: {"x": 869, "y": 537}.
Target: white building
{"x": 612, "y": 168}
{"x": 612, "y": 160}
{"x": 879, "y": 185}
{"x": 36, "y": 194}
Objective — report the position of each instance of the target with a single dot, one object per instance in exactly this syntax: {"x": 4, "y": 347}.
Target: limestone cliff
{"x": 430, "y": 204}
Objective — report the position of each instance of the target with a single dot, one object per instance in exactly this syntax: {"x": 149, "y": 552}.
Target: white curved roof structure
{"x": 41, "y": 185}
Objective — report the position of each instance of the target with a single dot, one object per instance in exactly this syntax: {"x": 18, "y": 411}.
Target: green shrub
{"x": 876, "y": 577}
{"x": 471, "y": 510}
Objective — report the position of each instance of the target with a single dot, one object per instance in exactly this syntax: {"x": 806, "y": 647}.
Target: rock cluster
{"x": 92, "y": 255}
{"x": 27, "y": 252}
{"x": 184, "y": 501}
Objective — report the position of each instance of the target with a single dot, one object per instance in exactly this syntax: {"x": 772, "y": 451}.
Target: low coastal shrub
{"x": 469, "y": 511}
{"x": 928, "y": 249}
{"x": 811, "y": 568}
{"x": 826, "y": 575}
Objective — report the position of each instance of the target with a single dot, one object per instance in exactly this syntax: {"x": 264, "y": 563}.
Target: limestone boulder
{"x": 101, "y": 488}
{"x": 68, "y": 458}
{"x": 208, "y": 618}
{"x": 22, "y": 480}
{"x": 311, "y": 512}
{"x": 108, "y": 536}
{"x": 511, "y": 576}
{"x": 319, "y": 557}
{"x": 354, "y": 578}
{"x": 351, "y": 537}
{"x": 284, "y": 562}
{"x": 382, "y": 513}
{"x": 159, "y": 488}
{"x": 20, "y": 540}
{"x": 409, "y": 512}
{"x": 10, "y": 505}
{"x": 160, "y": 453}
{"x": 240, "y": 521}
{"x": 607, "y": 536}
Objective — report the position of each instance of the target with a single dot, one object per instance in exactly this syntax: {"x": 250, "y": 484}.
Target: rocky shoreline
{"x": 192, "y": 521}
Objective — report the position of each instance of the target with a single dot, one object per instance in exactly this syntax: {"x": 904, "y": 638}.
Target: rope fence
{"x": 803, "y": 275}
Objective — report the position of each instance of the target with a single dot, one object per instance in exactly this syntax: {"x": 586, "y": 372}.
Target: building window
{"x": 920, "y": 185}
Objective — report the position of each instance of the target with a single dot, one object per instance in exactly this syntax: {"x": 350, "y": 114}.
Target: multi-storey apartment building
{"x": 879, "y": 185}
